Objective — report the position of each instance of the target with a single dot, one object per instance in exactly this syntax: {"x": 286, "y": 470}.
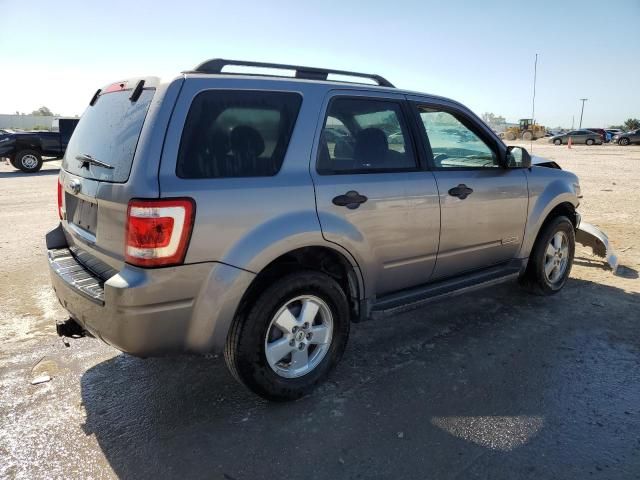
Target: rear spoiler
{"x": 136, "y": 84}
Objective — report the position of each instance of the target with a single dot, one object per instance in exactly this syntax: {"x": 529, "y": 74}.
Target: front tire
{"x": 590, "y": 141}
{"x": 557, "y": 141}
{"x": 29, "y": 161}
{"x": 288, "y": 340}
{"x": 551, "y": 258}
{"x": 624, "y": 141}
{"x": 527, "y": 136}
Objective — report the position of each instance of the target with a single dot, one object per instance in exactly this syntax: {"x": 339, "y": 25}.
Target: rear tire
{"x": 29, "y": 161}
{"x": 589, "y": 141}
{"x": 277, "y": 316}
{"x": 557, "y": 141}
{"x": 528, "y": 136}
{"x": 551, "y": 258}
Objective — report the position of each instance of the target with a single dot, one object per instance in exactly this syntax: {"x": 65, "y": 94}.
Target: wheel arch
{"x": 566, "y": 209}
{"x": 562, "y": 207}
{"x": 317, "y": 257}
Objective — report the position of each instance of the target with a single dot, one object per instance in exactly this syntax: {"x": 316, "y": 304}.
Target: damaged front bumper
{"x": 591, "y": 236}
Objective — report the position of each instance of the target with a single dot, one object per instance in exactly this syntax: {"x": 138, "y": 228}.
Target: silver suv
{"x": 259, "y": 215}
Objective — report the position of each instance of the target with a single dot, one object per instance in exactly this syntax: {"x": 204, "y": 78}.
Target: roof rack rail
{"x": 215, "y": 65}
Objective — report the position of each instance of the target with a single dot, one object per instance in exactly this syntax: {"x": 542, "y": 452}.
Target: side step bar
{"x": 415, "y": 297}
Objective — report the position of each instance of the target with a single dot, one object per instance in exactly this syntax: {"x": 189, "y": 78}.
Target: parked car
{"x": 600, "y": 131}
{"x": 628, "y": 138}
{"x": 586, "y": 137}
{"x": 614, "y": 131}
{"x": 207, "y": 214}
{"x": 26, "y": 150}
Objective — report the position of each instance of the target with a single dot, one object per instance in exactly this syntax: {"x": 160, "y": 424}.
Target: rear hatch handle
{"x": 88, "y": 159}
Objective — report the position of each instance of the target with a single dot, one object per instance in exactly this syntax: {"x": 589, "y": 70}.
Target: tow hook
{"x": 69, "y": 328}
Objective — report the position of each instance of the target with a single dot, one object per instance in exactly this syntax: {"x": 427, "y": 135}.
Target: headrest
{"x": 246, "y": 140}
{"x": 371, "y": 145}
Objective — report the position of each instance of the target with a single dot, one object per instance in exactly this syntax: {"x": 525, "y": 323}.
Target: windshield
{"x": 108, "y": 132}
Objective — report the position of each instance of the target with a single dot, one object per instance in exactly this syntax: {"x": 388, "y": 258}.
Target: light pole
{"x": 582, "y": 111}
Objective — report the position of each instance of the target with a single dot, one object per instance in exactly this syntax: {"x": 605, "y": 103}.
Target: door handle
{"x": 461, "y": 191}
{"x": 351, "y": 200}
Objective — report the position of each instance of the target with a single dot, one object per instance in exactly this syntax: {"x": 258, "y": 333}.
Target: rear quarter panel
{"x": 29, "y": 141}
{"x": 50, "y": 144}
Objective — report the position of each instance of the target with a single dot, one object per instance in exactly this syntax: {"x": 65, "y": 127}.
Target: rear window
{"x": 108, "y": 132}
{"x": 237, "y": 134}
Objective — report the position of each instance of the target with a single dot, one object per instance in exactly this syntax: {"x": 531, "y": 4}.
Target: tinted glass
{"x": 66, "y": 127}
{"x": 236, "y": 134}
{"x": 108, "y": 131}
{"x": 364, "y": 136}
{"x": 454, "y": 145}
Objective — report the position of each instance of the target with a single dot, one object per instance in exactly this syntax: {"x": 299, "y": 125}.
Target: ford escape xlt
{"x": 259, "y": 215}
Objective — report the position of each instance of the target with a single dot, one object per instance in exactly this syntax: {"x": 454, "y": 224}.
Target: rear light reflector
{"x": 60, "y": 193}
{"x": 158, "y": 231}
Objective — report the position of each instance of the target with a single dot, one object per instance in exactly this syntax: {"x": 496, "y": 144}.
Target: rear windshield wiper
{"x": 84, "y": 158}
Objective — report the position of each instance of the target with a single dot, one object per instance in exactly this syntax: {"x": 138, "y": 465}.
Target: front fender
{"x": 548, "y": 188}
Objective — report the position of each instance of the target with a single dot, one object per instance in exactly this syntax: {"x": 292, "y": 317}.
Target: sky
{"x": 480, "y": 53}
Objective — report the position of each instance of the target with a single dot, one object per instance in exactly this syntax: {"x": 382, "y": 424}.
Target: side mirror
{"x": 517, "y": 157}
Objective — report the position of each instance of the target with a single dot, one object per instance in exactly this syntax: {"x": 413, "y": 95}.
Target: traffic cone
{"x": 569, "y": 143}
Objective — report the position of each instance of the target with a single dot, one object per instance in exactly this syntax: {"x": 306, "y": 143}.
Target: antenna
{"x": 533, "y": 101}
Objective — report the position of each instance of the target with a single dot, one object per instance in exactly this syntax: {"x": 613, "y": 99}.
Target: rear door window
{"x": 108, "y": 132}
{"x": 237, "y": 134}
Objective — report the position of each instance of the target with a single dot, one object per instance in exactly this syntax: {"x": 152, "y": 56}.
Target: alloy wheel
{"x": 299, "y": 336}
{"x": 556, "y": 257}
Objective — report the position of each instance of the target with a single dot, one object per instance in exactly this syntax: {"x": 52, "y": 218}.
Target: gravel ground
{"x": 497, "y": 384}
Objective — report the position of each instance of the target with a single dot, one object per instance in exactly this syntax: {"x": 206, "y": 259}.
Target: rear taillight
{"x": 60, "y": 192}
{"x": 158, "y": 231}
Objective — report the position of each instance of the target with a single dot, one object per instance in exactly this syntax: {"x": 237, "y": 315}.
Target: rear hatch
{"x": 95, "y": 184}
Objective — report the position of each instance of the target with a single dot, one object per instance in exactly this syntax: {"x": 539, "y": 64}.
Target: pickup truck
{"x": 25, "y": 150}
